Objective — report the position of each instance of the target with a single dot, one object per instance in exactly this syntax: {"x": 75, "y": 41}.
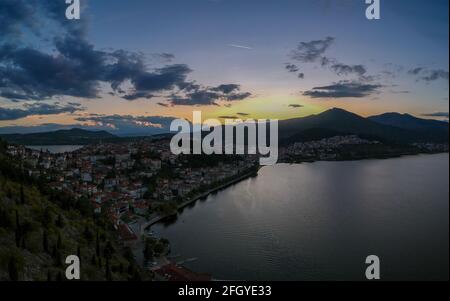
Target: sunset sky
{"x": 132, "y": 66}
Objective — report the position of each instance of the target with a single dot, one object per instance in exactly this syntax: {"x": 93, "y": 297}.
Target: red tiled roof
{"x": 126, "y": 233}
{"x": 173, "y": 272}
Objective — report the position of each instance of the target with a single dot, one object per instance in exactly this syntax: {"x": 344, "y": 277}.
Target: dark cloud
{"x": 227, "y": 89}
{"x": 314, "y": 52}
{"x": 137, "y": 95}
{"x": 310, "y": 52}
{"x": 437, "y": 114}
{"x": 416, "y": 71}
{"x": 161, "y": 79}
{"x": 242, "y": 114}
{"x": 163, "y": 104}
{"x": 228, "y": 117}
{"x": 292, "y": 68}
{"x": 295, "y": 106}
{"x": 343, "y": 89}
{"x": 75, "y": 68}
{"x": 210, "y": 95}
{"x": 38, "y": 109}
{"x": 435, "y": 75}
{"x": 400, "y": 92}
{"x": 343, "y": 69}
{"x": 15, "y": 14}
{"x": 165, "y": 57}
{"x": 429, "y": 75}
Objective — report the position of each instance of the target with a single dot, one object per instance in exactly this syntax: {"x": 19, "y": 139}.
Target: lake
{"x": 56, "y": 149}
{"x": 319, "y": 221}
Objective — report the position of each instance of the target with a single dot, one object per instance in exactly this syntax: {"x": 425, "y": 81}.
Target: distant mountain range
{"x": 389, "y": 128}
{"x": 61, "y": 137}
{"x": 396, "y": 128}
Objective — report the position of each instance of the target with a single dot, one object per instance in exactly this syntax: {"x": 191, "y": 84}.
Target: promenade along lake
{"x": 319, "y": 221}
{"x": 55, "y": 149}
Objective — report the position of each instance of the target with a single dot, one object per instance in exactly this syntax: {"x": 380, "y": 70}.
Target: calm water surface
{"x": 319, "y": 221}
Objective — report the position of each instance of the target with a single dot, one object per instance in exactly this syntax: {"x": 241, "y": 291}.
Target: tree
{"x": 13, "y": 269}
{"x": 88, "y": 234}
{"x": 46, "y": 217}
{"x": 59, "y": 243}
{"x": 108, "y": 275}
{"x": 49, "y": 275}
{"x": 22, "y": 195}
{"x": 97, "y": 245}
{"x": 57, "y": 256}
{"x": 59, "y": 277}
{"x": 45, "y": 241}
{"x": 108, "y": 251}
{"x": 60, "y": 222}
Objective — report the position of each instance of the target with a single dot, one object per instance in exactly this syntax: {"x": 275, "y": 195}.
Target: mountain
{"x": 341, "y": 121}
{"x": 406, "y": 121}
{"x": 61, "y": 137}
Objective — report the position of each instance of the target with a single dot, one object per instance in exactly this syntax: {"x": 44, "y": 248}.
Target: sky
{"x": 131, "y": 67}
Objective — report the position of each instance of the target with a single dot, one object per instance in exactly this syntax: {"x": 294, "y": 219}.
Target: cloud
{"x": 310, "y": 52}
{"x": 314, "y": 52}
{"x": 242, "y": 114}
{"x": 163, "y": 104}
{"x": 429, "y": 75}
{"x": 116, "y": 124}
{"x": 343, "y": 89}
{"x": 437, "y": 114}
{"x": 343, "y": 69}
{"x": 210, "y": 95}
{"x": 127, "y": 124}
{"x": 75, "y": 68}
{"x": 435, "y": 75}
{"x": 292, "y": 68}
{"x": 240, "y": 46}
{"x": 165, "y": 57}
{"x": 416, "y": 71}
{"x": 38, "y": 109}
{"x": 295, "y": 106}
{"x": 228, "y": 117}
{"x": 15, "y": 14}
{"x": 137, "y": 95}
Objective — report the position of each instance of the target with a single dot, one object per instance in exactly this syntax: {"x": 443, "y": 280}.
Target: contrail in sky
{"x": 240, "y": 46}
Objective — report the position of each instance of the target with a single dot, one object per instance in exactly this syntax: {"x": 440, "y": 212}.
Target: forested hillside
{"x": 40, "y": 228}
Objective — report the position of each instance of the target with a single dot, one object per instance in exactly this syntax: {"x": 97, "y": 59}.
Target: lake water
{"x": 319, "y": 221}
{"x": 56, "y": 149}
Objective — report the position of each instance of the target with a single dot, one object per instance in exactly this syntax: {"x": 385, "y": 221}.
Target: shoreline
{"x": 198, "y": 197}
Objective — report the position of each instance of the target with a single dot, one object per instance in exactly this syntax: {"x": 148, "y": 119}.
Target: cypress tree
{"x": 97, "y": 246}
{"x": 22, "y": 195}
{"x": 45, "y": 241}
{"x": 60, "y": 221}
{"x": 12, "y": 269}
{"x": 108, "y": 275}
{"x": 59, "y": 244}
{"x": 59, "y": 277}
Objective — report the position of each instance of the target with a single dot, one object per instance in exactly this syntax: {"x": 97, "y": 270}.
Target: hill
{"x": 341, "y": 121}
{"x": 406, "y": 121}
{"x": 61, "y": 137}
{"x": 40, "y": 228}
